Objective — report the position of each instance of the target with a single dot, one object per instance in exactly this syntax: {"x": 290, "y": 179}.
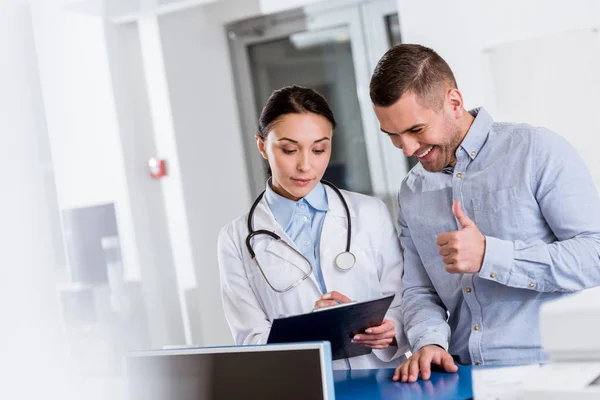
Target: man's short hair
{"x": 411, "y": 68}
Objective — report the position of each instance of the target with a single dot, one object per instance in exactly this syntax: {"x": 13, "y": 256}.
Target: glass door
{"x": 322, "y": 60}
{"x": 323, "y": 47}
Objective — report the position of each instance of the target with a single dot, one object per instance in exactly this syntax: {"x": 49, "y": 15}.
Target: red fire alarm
{"x": 157, "y": 167}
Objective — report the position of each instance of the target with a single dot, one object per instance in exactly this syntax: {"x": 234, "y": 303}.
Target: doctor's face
{"x": 298, "y": 148}
{"x": 418, "y": 130}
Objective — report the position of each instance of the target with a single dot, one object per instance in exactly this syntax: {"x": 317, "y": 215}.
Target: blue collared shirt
{"x": 302, "y": 221}
{"x": 534, "y": 200}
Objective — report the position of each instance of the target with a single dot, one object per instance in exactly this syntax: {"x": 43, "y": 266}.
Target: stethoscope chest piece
{"x": 345, "y": 260}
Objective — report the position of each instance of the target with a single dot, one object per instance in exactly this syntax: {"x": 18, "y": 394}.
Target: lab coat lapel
{"x": 264, "y": 219}
{"x": 334, "y": 232}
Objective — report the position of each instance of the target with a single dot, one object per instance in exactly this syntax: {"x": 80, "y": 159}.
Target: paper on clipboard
{"x": 337, "y": 325}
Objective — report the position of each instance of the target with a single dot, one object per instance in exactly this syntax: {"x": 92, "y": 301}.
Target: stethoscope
{"x": 343, "y": 261}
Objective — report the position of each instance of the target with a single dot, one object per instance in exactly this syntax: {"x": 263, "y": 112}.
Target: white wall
{"x": 81, "y": 114}
{"x": 553, "y": 82}
{"x": 87, "y": 138}
{"x": 209, "y": 146}
{"x": 461, "y": 31}
{"x": 151, "y": 229}
{"x": 30, "y": 339}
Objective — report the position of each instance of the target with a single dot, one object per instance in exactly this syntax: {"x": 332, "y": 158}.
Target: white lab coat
{"x": 251, "y": 305}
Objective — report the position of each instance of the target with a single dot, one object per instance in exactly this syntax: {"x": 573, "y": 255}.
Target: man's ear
{"x": 455, "y": 100}
{"x": 260, "y": 144}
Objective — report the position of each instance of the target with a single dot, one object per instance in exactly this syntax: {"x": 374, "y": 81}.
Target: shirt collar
{"x": 478, "y": 132}
{"x": 317, "y": 198}
{"x": 283, "y": 209}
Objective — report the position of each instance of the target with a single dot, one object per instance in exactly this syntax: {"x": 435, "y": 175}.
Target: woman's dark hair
{"x": 292, "y": 100}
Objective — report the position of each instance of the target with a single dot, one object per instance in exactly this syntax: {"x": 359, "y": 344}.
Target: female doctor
{"x": 336, "y": 246}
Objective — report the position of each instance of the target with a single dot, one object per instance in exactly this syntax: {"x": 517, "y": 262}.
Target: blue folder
{"x": 337, "y": 325}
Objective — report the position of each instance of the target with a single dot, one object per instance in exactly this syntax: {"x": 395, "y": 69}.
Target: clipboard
{"x": 337, "y": 325}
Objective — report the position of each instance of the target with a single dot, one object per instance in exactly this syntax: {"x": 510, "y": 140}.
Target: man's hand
{"x": 377, "y": 337}
{"x": 421, "y": 361}
{"x": 331, "y": 299}
{"x": 462, "y": 250}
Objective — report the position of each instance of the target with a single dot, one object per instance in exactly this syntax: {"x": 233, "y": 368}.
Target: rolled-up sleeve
{"x": 569, "y": 203}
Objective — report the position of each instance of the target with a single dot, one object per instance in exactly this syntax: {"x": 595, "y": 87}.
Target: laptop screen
{"x": 219, "y": 373}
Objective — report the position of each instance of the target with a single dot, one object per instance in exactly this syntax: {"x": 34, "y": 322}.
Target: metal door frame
{"x": 394, "y": 161}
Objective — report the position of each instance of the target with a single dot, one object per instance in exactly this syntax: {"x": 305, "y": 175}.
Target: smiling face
{"x": 298, "y": 148}
{"x": 431, "y": 135}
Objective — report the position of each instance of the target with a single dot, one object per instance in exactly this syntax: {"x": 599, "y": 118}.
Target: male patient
{"x": 496, "y": 219}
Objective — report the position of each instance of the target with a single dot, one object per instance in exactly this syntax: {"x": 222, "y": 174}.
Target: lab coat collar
{"x": 335, "y": 205}
{"x": 264, "y": 219}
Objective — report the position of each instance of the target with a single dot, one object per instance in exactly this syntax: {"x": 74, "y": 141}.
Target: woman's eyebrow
{"x": 291, "y": 140}
{"x": 296, "y": 142}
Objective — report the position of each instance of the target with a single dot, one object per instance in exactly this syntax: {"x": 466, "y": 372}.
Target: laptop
{"x": 280, "y": 371}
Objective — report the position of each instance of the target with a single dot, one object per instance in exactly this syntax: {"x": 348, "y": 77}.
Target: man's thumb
{"x": 461, "y": 216}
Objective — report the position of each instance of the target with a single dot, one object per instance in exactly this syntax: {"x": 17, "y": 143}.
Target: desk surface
{"x": 377, "y": 384}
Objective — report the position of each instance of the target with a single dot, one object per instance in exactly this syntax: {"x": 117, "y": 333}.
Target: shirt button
{"x": 473, "y": 154}
{"x": 459, "y": 175}
{"x": 302, "y": 205}
{"x": 468, "y": 290}
{"x": 304, "y": 219}
{"x": 306, "y": 243}
{"x": 493, "y": 275}
{"x": 476, "y": 327}
{"x": 531, "y": 284}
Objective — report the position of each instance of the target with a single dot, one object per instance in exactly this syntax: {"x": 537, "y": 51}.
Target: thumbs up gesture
{"x": 462, "y": 250}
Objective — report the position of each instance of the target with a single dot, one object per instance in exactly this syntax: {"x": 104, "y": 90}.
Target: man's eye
{"x": 416, "y": 130}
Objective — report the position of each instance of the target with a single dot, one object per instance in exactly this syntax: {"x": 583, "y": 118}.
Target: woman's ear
{"x": 260, "y": 144}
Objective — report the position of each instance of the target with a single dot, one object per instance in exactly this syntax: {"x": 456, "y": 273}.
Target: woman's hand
{"x": 378, "y": 337}
{"x": 331, "y": 299}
